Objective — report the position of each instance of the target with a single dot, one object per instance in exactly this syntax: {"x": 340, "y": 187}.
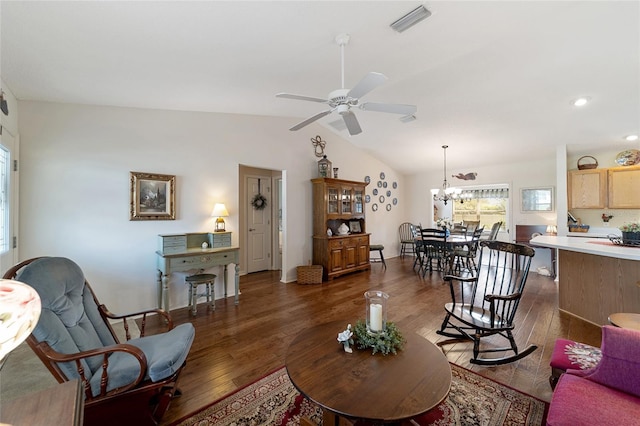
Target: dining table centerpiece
{"x": 446, "y": 224}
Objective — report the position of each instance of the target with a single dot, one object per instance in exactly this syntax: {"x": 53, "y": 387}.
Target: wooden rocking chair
{"x": 124, "y": 383}
{"x": 485, "y": 304}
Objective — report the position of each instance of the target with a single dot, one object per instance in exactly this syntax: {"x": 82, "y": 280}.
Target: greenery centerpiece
{"x": 388, "y": 341}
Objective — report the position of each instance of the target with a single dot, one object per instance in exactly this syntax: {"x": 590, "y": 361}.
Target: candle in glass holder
{"x": 375, "y": 317}
{"x": 376, "y": 311}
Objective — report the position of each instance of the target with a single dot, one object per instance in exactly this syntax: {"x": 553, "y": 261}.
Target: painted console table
{"x": 185, "y": 252}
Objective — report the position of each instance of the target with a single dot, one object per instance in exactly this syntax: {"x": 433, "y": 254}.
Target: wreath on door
{"x": 259, "y": 201}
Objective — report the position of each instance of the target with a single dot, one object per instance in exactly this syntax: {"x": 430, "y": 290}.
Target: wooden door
{"x": 258, "y": 225}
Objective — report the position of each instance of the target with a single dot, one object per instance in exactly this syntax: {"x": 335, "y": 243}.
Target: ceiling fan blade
{"x": 311, "y": 120}
{"x": 352, "y": 123}
{"x": 367, "y": 84}
{"x": 392, "y": 108}
{"x": 338, "y": 125}
{"x": 300, "y": 97}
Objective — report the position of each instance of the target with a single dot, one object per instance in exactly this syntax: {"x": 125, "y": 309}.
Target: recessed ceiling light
{"x": 631, "y": 138}
{"x": 581, "y": 101}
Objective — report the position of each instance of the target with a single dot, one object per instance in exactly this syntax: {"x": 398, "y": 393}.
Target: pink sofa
{"x": 607, "y": 394}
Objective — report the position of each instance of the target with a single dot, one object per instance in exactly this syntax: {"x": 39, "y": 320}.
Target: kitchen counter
{"x": 597, "y": 246}
{"x": 596, "y": 278}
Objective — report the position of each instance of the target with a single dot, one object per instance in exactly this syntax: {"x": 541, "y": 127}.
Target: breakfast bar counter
{"x": 596, "y": 277}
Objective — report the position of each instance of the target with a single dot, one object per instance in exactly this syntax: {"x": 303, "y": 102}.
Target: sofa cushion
{"x": 578, "y": 401}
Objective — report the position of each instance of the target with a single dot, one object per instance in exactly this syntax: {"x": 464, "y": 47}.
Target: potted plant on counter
{"x": 631, "y": 231}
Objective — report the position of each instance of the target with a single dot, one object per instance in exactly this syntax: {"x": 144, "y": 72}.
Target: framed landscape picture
{"x": 153, "y": 196}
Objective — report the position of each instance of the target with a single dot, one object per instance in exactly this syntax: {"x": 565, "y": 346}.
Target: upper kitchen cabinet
{"x": 587, "y": 189}
{"x": 624, "y": 187}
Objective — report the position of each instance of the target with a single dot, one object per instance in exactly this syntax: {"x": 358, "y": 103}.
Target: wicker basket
{"x": 585, "y": 166}
{"x": 310, "y": 274}
{"x": 578, "y": 228}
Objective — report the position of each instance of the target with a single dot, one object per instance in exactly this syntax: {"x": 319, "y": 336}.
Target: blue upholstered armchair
{"x": 125, "y": 383}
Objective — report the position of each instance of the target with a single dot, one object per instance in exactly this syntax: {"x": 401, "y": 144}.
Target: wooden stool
{"x": 378, "y": 248}
{"x": 193, "y": 281}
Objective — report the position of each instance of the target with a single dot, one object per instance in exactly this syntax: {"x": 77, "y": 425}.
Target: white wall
{"x": 518, "y": 175}
{"x": 74, "y": 187}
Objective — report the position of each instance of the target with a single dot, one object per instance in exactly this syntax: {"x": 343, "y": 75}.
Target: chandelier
{"x": 446, "y": 193}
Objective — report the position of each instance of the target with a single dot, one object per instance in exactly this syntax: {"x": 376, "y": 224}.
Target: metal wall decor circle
{"x": 375, "y": 191}
{"x": 388, "y": 207}
{"x": 382, "y": 175}
{"x": 374, "y": 207}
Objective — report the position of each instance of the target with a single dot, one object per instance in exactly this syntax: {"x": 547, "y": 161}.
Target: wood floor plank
{"x": 236, "y": 345}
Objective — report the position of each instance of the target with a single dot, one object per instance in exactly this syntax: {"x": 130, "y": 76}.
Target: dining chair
{"x": 485, "y": 304}
{"x": 471, "y": 225}
{"x": 465, "y": 255}
{"x": 432, "y": 247}
{"x": 407, "y": 233}
{"x": 459, "y": 229}
{"x": 124, "y": 383}
{"x": 493, "y": 234}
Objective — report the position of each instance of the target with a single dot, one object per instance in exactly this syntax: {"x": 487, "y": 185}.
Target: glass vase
{"x": 376, "y": 311}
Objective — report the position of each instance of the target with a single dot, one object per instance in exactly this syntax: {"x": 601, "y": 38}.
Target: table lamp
{"x": 219, "y": 211}
{"x": 19, "y": 313}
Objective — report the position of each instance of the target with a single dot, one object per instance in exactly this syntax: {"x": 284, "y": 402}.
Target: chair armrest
{"x": 160, "y": 312}
{"x": 105, "y": 352}
{"x": 461, "y": 279}
{"x": 492, "y": 297}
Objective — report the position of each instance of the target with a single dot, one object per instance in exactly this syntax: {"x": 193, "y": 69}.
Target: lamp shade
{"x": 219, "y": 210}
{"x": 19, "y": 313}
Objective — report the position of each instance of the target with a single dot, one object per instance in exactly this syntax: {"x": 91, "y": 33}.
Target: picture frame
{"x": 153, "y": 196}
{"x": 354, "y": 227}
{"x": 537, "y": 199}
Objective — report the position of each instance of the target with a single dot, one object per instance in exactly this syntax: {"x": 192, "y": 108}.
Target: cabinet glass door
{"x": 346, "y": 201}
{"x": 357, "y": 201}
{"x": 332, "y": 202}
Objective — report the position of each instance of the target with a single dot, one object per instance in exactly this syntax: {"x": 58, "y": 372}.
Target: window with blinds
{"x": 488, "y": 205}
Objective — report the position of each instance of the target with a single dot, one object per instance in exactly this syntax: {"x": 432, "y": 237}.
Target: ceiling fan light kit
{"x": 410, "y": 19}
{"x": 342, "y": 100}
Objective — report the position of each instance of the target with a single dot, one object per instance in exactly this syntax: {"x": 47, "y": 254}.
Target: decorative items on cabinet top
{"x": 630, "y": 157}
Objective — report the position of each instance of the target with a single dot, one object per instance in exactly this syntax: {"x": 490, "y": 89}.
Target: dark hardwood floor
{"x": 236, "y": 345}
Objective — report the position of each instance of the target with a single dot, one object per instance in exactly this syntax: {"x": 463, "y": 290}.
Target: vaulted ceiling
{"x": 493, "y": 80}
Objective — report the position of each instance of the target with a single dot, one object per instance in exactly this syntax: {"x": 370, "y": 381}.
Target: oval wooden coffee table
{"x": 378, "y": 388}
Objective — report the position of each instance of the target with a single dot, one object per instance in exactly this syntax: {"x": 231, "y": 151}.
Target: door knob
{"x": 251, "y": 229}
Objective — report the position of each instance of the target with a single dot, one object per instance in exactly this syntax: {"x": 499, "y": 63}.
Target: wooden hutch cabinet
{"x": 337, "y": 202}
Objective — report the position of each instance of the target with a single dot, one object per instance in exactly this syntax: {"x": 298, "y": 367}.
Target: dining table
{"x": 444, "y": 247}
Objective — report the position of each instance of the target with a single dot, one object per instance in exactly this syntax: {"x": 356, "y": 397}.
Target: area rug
{"x": 273, "y": 400}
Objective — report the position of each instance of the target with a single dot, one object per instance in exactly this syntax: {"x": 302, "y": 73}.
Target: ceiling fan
{"x": 342, "y": 100}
